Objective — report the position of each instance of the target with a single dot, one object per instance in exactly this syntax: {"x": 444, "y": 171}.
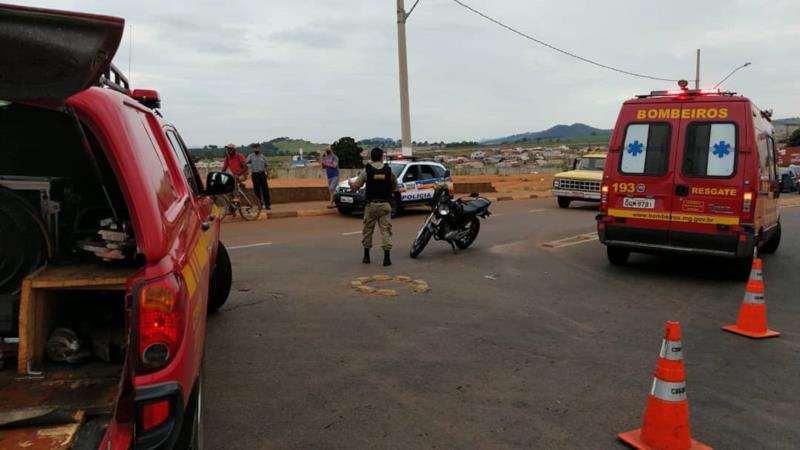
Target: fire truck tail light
{"x": 748, "y": 196}
{"x": 160, "y": 320}
{"x": 154, "y": 414}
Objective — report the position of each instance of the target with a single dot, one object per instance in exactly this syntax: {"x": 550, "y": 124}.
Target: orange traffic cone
{"x": 752, "y": 321}
{"x": 666, "y": 417}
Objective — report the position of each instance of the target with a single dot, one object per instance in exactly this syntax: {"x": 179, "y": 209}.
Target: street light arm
{"x": 732, "y": 72}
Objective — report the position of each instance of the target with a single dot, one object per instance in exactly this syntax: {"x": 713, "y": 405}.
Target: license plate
{"x": 346, "y": 199}
{"x": 639, "y": 203}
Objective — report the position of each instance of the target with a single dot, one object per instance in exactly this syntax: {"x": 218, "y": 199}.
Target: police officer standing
{"x": 381, "y": 185}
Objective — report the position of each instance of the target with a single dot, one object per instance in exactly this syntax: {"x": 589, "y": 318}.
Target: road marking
{"x": 536, "y": 210}
{"x": 572, "y": 240}
{"x": 237, "y": 247}
{"x": 351, "y": 233}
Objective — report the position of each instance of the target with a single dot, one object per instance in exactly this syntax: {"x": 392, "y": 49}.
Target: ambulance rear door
{"x": 709, "y": 174}
{"x": 640, "y": 192}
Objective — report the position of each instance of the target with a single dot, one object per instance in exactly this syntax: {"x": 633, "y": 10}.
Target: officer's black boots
{"x": 387, "y": 261}
{"x": 366, "y": 256}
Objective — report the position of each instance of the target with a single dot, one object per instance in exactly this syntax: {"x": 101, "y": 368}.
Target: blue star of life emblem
{"x": 635, "y": 148}
{"x": 722, "y": 149}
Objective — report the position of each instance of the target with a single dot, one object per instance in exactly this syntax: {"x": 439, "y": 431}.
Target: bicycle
{"x": 241, "y": 201}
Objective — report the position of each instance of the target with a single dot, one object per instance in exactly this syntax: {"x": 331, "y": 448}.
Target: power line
{"x": 412, "y": 9}
{"x": 552, "y": 47}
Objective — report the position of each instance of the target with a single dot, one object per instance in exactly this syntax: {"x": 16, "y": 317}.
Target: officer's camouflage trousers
{"x": 381, "y": 213}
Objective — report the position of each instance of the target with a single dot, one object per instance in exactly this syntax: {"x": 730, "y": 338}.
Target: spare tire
{"x": 23, "y": 243}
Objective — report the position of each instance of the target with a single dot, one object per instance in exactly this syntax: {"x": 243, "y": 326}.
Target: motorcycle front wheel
{"x": 474, "y": 228}
{"x": 422, "y": 239}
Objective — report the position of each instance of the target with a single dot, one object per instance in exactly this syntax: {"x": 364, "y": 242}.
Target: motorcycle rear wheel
{"x": 466, "y": 241}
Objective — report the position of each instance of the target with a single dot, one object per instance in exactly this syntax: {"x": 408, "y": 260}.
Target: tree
{"x": 349, "y": 153}
{"x": 794, "y": 139}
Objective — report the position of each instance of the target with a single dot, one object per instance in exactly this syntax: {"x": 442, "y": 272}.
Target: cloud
{"x": 249, "y": 70}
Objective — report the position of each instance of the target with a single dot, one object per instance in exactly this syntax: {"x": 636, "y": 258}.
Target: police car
{"x": 416, "y": 182}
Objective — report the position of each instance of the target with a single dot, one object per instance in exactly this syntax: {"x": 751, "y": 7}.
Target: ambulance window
{"x": 763, "y": 159}
{"x": 646, "y": 149}
{"x": 773, "y": 159}
{"x": 710, "y": 150}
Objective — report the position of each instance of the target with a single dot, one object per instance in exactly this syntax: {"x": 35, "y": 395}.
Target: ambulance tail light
{"x": 160, "y": 316}
{"x": 604, "y": 198}
{"x": 747, "y": 207}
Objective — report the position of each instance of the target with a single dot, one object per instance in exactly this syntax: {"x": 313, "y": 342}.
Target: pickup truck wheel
{"x": 191, "y": 434}
{"x": 771, "y": 246}
{"x": 221, "y": 280}
{"x": 618, "y": 256}
{"x": 563, "y": 202}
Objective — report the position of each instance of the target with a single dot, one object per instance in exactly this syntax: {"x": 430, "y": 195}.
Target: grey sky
{"x": 247, "y": 70}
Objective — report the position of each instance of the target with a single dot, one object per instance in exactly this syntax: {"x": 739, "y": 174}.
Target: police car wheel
{"x": 563, "y": 202}
{"x": 618, "y": 255}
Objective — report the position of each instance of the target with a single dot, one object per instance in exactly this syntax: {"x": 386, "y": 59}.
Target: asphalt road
{"x": 515, "y": 346}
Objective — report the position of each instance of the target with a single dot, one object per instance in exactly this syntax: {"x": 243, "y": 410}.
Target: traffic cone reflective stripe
{"x": 757, "y": 271}
{"x": 671, "y": 350}
{"x": 752, "y": 320}
{"x": 666, "y": 417}
{"x": 754, "y": 293}
{"x": 668, "y": 391}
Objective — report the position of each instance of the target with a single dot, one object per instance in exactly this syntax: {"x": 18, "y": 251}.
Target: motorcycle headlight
{"x": 556, "y": 183}
{"x": 444, "y": 210}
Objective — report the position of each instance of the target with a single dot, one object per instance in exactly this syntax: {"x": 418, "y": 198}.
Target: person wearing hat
{"x": 258, "y": 167}
{"x": 236, "y": 164}
{"x": 381, "y": 185}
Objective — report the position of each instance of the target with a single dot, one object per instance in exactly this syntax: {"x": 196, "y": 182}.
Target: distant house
{"x": 480, "y": 154}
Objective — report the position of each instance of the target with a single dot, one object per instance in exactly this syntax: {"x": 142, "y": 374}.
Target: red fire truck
{"x": 109, "y": 247}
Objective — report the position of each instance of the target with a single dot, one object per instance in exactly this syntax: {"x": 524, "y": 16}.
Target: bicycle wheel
{"x": 225, "y": 206}
{"x": 249, "y": 207}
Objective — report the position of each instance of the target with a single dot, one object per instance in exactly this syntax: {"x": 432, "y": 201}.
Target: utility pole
{"x": 405, "y": 117}
{"x": 697, "y": 73}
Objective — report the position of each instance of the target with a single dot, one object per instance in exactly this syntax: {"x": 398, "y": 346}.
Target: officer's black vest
{"x": 379, "y": 183}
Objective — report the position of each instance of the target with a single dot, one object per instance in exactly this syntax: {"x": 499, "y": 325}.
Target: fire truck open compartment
{"x": 64, "y": 307}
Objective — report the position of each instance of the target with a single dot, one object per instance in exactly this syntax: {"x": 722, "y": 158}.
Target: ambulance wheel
{"x": 563, "y": 202}
{"x": 771, "y": 246}
{"x": 618, "y": 256}
{"x": 221, "y": 280}
{"x": 741, "y": 268}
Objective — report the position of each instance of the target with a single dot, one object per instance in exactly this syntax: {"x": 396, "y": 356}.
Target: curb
{"x": 520, "y": 197}
{"x": 331, "y": 211}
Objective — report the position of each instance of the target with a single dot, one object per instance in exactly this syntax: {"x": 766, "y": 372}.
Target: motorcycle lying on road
{"x": 452, "y": 220}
